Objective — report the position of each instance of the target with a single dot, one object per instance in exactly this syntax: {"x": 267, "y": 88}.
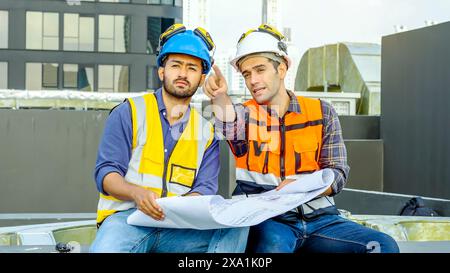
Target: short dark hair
{"x": 164, "y": 61}
{"x": 275, "y": 64}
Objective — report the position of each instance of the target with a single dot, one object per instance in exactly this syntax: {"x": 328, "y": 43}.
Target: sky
{"x": 318, "y": 22}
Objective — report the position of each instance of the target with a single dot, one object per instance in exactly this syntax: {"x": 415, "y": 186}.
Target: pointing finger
{"x": 208, "y": 90}
{"x": 218, "y": 72}
{"x": 213, "y": 83}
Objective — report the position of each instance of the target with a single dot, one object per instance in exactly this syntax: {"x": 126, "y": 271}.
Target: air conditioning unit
{"x": 343, "y": 103}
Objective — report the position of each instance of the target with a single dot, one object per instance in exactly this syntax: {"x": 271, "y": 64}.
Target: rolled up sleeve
{"x": 114, "y": 151}
{"x": 234, "y": 132}
{"x": 333, "y": 154}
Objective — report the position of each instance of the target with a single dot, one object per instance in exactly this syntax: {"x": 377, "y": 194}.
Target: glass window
{"x": 115, "y": 1}
{"x": 86, "y": 42}
{"x": 85, "y": 78}
{"x": 41, "y": 76}
{"x": 78, "y": 32}
{"x": 155, "y": 26}
{"x": 3, "y": 29}
{"x": 114, "y": 33}
{"x": 153, "y": 33}
{"x": 50, "y": 37}
{"x": 33, "y": 76}
{"x": 178, "y": 3}
{"x": 34, "y": 30}
{"x": 153, "y": 2}
{"x": 153, "y": 81}
{"x": 121, "y": 81}
{"x": 42, "y": 30}
{"x": 119, "y": 34}
{"x": 113, "y": 78}
{"x": 105, "y": 78}
{"x": 71, "y": 31}
{"x": 70, "y": 75}
{"x": 167, "y": 2}
{"x": 106, "y": 33}
{"x": 3, "y": 75}
{"x": 79, "y": 77}
{"x": 166, "y": 23}
{"x": 49, "y": 76}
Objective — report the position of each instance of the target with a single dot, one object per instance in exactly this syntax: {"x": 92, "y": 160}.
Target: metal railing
{"x": 68, "y": 99}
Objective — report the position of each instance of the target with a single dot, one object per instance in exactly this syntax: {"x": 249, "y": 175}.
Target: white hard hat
{"x": 259, "y": 41}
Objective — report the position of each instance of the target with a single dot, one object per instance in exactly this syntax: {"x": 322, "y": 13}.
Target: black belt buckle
{"x": 308, "y": 217}
{"x": 288, "y": 217}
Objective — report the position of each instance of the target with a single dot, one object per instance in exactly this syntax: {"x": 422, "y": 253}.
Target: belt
{"x": 318, "y": 203}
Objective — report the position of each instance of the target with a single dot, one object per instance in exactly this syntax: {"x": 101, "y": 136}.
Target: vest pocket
{"x": 257, "y": 158}
{"x": 182, "y": 176}
{"x": 306, "y": 156}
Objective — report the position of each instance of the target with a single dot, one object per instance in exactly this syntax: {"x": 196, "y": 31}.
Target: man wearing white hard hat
{"x": 275, "y": 138}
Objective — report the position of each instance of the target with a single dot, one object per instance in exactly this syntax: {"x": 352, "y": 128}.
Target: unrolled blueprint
{"x": 213, "y": 211}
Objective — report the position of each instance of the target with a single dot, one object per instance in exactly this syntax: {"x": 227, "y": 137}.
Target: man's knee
{"x": 382, "y": 243}
{"x": 267, "y": 238}
{"x": 115, "y": 235}
{"x": 106, "y": 243}
{"x": 229, "y": 240}
{"x": 269, "y": 247}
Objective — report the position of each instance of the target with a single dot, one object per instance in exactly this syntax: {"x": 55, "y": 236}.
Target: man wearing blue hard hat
{"x": 156, "y": 146}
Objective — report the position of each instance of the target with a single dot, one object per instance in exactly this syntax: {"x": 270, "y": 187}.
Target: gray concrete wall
{"x": 365, "y": 151}
{"x": 365, "y": 158}
{"x": 415, "y": 111}
{"x": 47, "y": 160}
{"x": 360, "y": 127}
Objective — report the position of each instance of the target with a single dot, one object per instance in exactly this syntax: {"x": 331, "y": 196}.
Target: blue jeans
{"x": 115, "y": 235}
{"x": 327, "y": 233}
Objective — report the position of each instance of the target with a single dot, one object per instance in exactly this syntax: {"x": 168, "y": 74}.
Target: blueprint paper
{"x": 213, "y": 211}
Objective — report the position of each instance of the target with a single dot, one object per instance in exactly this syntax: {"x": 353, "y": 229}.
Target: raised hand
{"x": 216, "y": 85}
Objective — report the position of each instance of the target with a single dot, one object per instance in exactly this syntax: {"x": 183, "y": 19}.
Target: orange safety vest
{"x": 280, "y": 147}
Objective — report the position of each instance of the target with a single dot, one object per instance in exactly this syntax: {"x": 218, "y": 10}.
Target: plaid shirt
{"x": 333, "y": 154}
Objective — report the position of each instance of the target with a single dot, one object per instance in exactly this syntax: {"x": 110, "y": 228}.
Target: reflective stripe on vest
{"x": 268, "y": 179}
{"x": 147, "y": 167}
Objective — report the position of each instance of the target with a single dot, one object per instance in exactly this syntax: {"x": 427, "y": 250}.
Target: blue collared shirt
{"x": 114, "y": 152}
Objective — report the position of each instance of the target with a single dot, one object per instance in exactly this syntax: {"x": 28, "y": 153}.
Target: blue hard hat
{"x": 187, "y": 43}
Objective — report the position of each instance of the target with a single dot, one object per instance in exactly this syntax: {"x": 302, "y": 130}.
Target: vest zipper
{"x": 166, "y": 161}
{"x": 282, "y": 148}
{"x": 164, "y": 184}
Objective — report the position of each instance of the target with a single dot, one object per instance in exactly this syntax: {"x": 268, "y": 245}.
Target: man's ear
{"x": 161, "y": 73}
{"x": 202, "y": 79}
{"x": 282, "y": 70}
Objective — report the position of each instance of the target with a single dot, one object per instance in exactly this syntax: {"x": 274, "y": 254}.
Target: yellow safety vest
{"x": 147, "y": 168}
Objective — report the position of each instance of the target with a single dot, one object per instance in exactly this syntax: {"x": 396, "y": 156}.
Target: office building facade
{"x": 87, "y": 45}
